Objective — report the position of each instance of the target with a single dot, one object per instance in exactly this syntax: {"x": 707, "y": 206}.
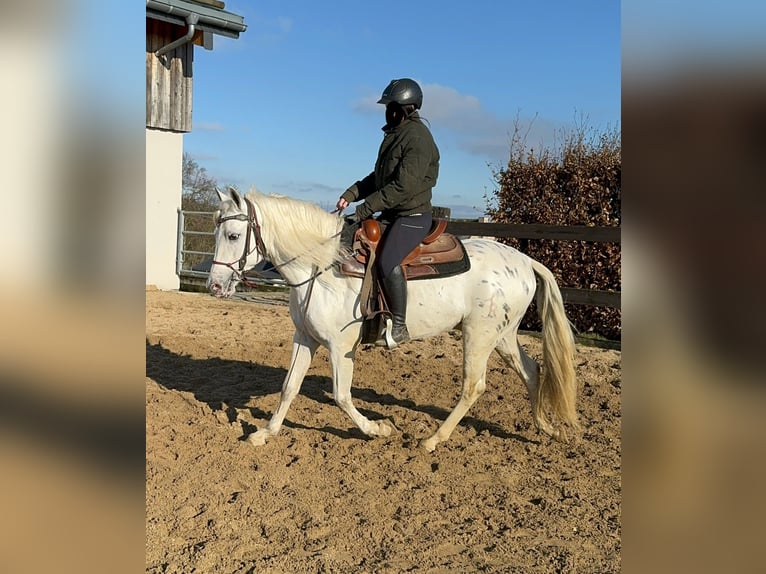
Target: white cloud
{"x": 307, "y": 187}
{"x": 479, "y": 131}
{"x": 208, "y": 127}
{"x": 453, "y": 109}
{"x": 284, "y": 24}
{"x": 473, "y": 129}
{"x": 268, "y": 32}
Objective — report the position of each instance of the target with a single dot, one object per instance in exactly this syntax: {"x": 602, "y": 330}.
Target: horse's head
{"x": 238, "y": 244}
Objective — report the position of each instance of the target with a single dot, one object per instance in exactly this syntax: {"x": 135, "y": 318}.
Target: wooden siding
{"x": 168, "y": 79}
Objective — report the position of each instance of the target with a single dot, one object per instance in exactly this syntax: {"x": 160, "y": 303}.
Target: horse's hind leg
{"x": 528, "y": 370}
{"x": 475, "y": 355}
{"x": 303, "y": 351}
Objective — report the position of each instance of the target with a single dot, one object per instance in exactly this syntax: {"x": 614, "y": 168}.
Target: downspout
{"x": 191, "y": 21}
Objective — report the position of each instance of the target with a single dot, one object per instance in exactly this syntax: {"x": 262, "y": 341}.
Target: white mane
{"x": 296, "y": 229}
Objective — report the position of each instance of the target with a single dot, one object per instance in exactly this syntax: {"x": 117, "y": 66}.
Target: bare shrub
{"x": 577, "y": 182}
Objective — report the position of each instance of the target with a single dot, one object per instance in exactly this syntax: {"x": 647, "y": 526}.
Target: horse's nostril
{"x": 215, "y": 287}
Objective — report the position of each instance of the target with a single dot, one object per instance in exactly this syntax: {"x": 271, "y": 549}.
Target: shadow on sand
{"x": 228, "y": 386}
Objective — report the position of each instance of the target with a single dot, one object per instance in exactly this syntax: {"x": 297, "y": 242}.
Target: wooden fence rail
{"x": 536, "y": 231}
{"x": 571, "y": 295}
{"x": 593, "y": 297}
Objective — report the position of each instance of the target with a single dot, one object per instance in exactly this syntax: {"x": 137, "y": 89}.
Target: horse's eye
{"x": 233, "y": 236}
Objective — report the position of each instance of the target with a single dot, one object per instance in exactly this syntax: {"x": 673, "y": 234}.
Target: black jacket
{"x": 405, "y": 173}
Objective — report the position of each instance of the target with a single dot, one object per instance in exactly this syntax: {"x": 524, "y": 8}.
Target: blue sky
{"x": 289, "y": 107}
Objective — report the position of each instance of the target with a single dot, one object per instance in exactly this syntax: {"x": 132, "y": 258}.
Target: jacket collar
{"x": 414, "y": 116}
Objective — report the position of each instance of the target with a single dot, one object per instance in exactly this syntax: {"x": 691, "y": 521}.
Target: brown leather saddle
{"x": 440, "y": 254}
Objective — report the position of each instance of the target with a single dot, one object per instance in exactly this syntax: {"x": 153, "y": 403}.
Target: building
{"x": 173, "y": 29}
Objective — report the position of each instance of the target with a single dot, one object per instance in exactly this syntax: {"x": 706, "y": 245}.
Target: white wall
{"x": 164, "y": 153}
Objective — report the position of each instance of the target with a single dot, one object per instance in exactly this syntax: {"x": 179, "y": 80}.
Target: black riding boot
{"x": 395, "y": 288}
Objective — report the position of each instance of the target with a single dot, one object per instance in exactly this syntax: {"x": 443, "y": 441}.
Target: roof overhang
{"x": 210, "y": 19}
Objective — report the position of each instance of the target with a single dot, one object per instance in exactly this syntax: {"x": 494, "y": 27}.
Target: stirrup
{"x": 386, "y": 338}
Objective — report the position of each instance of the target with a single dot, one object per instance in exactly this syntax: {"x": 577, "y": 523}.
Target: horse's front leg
{"x": 303, "y": 351}
{"x": 342, "y": 360}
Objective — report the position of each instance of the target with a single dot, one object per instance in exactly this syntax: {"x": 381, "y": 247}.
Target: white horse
{"x": 487, "y": 303}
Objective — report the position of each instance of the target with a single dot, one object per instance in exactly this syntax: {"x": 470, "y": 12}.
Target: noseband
{"x": 253, "y": 230}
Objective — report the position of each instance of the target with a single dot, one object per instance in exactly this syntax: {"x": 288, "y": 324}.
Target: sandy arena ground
{"x": 320, "y": 497}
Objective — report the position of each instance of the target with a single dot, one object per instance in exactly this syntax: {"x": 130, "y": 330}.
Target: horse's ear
{"x": 221, "y": 196}
{"x": 235, "y": 197}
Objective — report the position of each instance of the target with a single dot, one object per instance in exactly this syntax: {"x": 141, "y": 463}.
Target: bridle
{"x": 253, "y": 231}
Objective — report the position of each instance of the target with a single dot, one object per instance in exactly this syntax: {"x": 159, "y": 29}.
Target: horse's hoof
{"x": 429, "y": 445}
{"x": 257, "y": 439}
{"x": 385, "y": 429}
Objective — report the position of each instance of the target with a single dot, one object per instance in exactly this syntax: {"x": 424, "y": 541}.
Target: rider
{"x": 400, "y": 188}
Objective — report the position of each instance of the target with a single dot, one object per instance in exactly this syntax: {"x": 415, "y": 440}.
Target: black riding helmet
{"x": 403, "y": 92}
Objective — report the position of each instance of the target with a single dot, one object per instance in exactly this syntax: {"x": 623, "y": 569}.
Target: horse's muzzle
{"x": 217, "y": 290}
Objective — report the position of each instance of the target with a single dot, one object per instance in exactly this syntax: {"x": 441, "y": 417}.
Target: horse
{"x": 487, "y": 303}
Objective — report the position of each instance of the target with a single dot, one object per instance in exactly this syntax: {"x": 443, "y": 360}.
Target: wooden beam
{"x": 536, "y": 231}
{"x": 592, "y": 297}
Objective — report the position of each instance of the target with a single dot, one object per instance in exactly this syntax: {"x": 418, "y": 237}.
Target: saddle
{"x": 440, "y": 254}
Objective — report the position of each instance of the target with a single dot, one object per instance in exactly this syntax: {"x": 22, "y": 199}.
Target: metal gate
{"x": 194, "y": 252}
{"x": 194, "y": 262}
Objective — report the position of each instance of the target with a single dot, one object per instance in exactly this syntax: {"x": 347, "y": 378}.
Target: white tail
{"x": 557, "y": 388}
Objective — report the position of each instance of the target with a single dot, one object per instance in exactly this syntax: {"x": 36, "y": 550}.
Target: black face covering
{"x": 394, "y": 115}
